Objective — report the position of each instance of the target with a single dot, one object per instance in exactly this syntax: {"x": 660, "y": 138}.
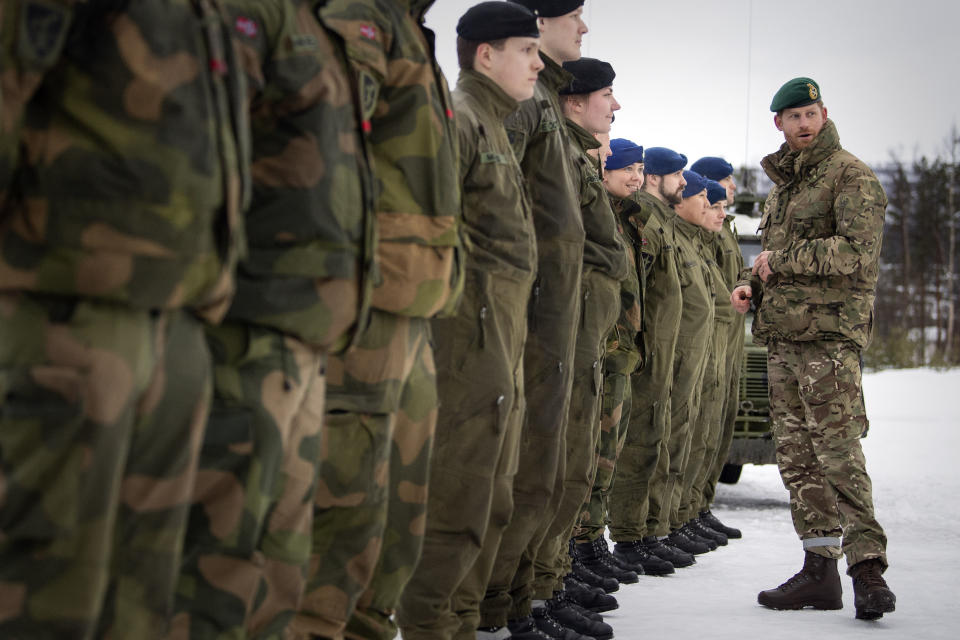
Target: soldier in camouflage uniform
{"x": 123, "y": 168}
{"x": 730, "y": 261}
{"x": 298, "y": 296}
{"x": 479, "y": 351}
{"x": 381, "y": 395}
{"x": 540, "y": 139}
{"x": 622, "y": 177}
{"x": 649, "y": 222}
{"x": 816, "y": 280}
{"x": 706, "y": 429}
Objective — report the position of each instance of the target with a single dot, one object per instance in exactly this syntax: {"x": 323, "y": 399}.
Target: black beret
{"x": 551, "y": 8}
{"x": 494, "y": 20}
{"x": 589, "y": 75}
{"x": 798, "y": 92}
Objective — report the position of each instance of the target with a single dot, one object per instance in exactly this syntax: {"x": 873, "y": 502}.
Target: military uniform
{"x": 624, "y": 354}
{"x": 381, "y": 395}
{"x": 123, "y": 170}
{"x": 298, "y": 296}
{"x": 823, "y": 223}
{"x": 479, "y": 353}
{"x": 706, "y": 427}
{"x": 650, "y": 223}
{"x": 731, "y": 263}
{"x": 604, "y": 268}
{"x": 540, "y": 139}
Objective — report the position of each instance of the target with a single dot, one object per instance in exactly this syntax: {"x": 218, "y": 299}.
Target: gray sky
{"x": 698, "y": 75}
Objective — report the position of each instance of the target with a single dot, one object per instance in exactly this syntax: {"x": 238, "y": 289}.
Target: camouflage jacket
{"x": 625, "y": 345}
{"x": 540, "y": 139}
{"x": 312, "y": 189}
{"x": 696, "y": 281}
{"x": 602, "y": 251}
{"x": 123, "y": 152}
{"x": 409, "y": 123}
{"x": 497, "y": 220}
{"x": 649, "y": 223}
{"x": 823, "y": 221}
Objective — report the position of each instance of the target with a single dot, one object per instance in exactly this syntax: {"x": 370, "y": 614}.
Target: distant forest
{"x": 915, "y": 322}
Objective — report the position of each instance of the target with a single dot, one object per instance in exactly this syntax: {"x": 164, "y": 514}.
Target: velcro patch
{"x": 43, "y": 28}
{"x": 246, "y": 26}
{"x": 369, "y": 90}
{"x": 489, "y": 157}
{"x": 548, "y": 126}
{"x": 368, "y": 31}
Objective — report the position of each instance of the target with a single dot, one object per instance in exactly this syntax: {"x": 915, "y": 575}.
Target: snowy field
{"x": 911, "y": 451}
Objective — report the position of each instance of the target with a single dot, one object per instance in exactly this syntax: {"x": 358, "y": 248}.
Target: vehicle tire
{"x": 730, "y": 473}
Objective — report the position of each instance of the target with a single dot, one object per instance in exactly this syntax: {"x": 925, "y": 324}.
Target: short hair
{"x": 780, "y": 113}
{"x": 574, "y": 97}
{"x": 467, "y": 50}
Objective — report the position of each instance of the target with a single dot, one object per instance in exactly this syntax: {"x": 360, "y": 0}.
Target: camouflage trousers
{"x": 818, "y": 418}
{"x": 629, "y": 501}
{"x": 480, "y": 378}
{"x": 102, "y": 412}
{"x": 248, "y": 541}
{"x": 599, "y": 311}
{"x": 667, "y": 482}
{"x": 731, "y": 406}
{"x": 370, "y": 499}
{"x": 706, "y": 429}
{"x": 554, "y": 316}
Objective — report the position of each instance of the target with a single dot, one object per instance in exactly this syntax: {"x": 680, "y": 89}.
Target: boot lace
{"x": 797, "y": 579}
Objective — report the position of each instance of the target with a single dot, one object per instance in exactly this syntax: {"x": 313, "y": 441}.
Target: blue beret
{"x": 715, "y": 191}
{"x": 623, "y": 153}
{"x": 493, "y": 20}
{"x": 659, "y": 161}
{"x": 589, "y": 75}
{"x": 713, "y": 167}
{"x": 551, "y": 8}
{"x": 695, "y": 183}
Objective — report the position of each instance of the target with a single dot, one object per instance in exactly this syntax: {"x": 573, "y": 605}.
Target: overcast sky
{"x": 698, "y": 75}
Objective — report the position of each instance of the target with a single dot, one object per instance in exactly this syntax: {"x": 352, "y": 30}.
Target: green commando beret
{"x": 798, "y": 92}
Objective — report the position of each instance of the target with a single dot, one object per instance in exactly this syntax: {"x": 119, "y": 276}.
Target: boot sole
{"x": 876, "y": 610}
{"x": 819, "y": 605}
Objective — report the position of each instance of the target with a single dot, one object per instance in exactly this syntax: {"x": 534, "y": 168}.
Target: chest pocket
{"x": 685, "y": 266}
{"x": 813, "y": 220}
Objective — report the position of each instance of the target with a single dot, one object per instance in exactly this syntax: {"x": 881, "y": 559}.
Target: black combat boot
{"x": 817, "y": 585}
{"x": 549, "y": 625}
{"x": 681, "y": 541}
{"x": 714, "y": 523}
{"x": 596, "y": 556}
{"x": 525, "y": 629}
{"x": 567, "y": 614}
{"x": 691, "y": 532}
{"x": 637, "y": 554}
{"x": 590, "y": 598}
{"x": 493, "y": 633}
{"x": 871, "y": 596}
{"x": 582, "y": 573}
{"x": 665, "y": 551}
{"x": 704, "y": 531}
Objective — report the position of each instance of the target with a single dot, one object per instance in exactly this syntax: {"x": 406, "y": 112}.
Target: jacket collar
{"x": 785, "y": 165}
{"x": 554, "y": 75}
{"x": 493, "y": 97}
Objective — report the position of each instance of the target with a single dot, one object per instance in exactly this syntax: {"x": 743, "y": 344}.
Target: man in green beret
{"x": 815, "y": 284}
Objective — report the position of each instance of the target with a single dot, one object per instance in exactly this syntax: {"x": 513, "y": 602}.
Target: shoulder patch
{"x": 43, "y": 27}
{"x": 369, "y": 88}
{"x": 368, "y": 31}
{"x": 246, "y": 26}
{"x": 549, "y": 125}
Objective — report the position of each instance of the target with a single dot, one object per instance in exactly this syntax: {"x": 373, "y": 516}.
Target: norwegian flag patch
{"x": 368, "y": 31}
{"x": 246, "y": 26}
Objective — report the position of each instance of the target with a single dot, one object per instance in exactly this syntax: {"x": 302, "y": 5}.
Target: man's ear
{"x": 777, "y": 120}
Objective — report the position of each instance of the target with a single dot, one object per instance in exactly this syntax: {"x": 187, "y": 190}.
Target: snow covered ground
{"x": 911, "y": 452}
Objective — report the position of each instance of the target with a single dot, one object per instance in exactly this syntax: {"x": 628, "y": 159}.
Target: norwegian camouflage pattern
{"x": 248, "y": 541}
{"x": 816, "y": 404}
{"x": 102, "y": 409}
{"x": 479, "y": 353}
{"x": 309, "y": 226}
{"x": 123, "y": 152}
{"x": 623, "y": 357}
{"x": 408, "y": 117}
{"x": 649, "y": 224}
{"x": 823, "y": 221}
{"x": 540, "y": 139}
{"x": 731, "y": 263}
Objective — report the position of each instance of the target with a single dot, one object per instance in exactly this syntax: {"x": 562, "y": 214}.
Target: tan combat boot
{"x": 871, "y": 596}
{"x": 817, "y": 585}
